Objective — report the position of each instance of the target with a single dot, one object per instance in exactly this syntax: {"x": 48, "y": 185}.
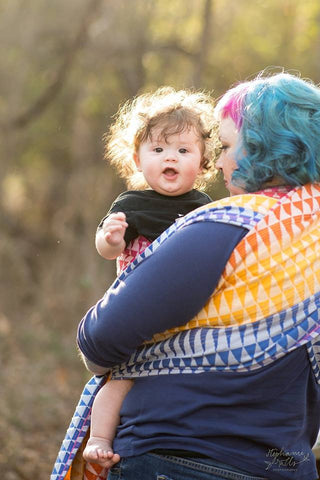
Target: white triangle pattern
{"x": 77, "y": 429}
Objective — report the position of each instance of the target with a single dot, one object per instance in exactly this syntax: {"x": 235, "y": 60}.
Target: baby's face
{"x": 170, "y": 165}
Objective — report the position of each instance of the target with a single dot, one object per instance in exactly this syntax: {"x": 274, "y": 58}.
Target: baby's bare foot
{"x": 98, "y": 450}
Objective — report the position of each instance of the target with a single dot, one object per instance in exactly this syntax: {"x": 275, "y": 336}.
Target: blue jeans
{"x": 151, "y": 466}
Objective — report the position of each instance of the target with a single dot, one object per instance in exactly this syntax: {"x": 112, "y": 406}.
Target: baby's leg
{"x": 105, "y": 417}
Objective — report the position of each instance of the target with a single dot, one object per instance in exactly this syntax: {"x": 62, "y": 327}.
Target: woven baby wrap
{"x": 265, "y": 305}
{"x": 267, "y": 301}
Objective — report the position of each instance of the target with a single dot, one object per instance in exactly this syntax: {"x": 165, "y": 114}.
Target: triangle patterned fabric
{"x": 267, "y": 303}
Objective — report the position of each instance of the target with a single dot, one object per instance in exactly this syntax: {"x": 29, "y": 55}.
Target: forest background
{"x": 65, "y": 68}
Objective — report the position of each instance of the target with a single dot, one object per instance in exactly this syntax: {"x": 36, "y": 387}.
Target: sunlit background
{"x": 65, "y": 68}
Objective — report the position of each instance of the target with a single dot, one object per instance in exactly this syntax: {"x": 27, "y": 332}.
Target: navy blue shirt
{"x": 263, "y": 421}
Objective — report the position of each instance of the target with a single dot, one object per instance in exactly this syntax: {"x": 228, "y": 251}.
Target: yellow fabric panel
{"x": 274, "y": 267}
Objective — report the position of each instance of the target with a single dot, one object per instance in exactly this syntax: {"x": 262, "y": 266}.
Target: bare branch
{"x": 172, "y": 47}
{"x": 44, "y": 100}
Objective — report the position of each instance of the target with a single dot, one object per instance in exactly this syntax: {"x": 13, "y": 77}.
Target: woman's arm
{"x": 166, "y": 290}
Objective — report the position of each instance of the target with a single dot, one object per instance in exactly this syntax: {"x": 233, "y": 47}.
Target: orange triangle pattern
{"x": 94, "y": 472}
{"x": 274, "y": 267}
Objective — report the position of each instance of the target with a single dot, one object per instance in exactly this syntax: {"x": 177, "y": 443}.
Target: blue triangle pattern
{"x": 250, "y": 349}
{"x": 264, "y": 344}
{"x": 224, "y": 357}
{"x": 77, "y": 430}
{"x": 237, "y": 353}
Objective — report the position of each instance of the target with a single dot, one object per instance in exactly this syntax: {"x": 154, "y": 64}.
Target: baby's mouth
{"x": 170, "y": 172}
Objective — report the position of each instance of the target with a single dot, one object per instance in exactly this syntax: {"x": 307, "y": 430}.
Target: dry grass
{"x": 41, "y": 374}
{"x": 41, "y": 380}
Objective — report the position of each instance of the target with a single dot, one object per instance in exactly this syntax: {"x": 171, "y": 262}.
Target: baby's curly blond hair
{"x": 172, "y": 111}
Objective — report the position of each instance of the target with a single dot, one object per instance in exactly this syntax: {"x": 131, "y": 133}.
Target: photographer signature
{"x": 283, "y": 460}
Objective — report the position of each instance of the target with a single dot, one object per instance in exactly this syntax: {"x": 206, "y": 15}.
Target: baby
{"x": 162, "y": 144}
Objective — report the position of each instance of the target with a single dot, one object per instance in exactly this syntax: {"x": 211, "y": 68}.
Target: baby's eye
{"x": 158, "y": 149}
{"x": 183, "y": 150}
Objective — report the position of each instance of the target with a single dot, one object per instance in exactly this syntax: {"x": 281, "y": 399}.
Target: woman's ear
{"x": 136, "y": 160}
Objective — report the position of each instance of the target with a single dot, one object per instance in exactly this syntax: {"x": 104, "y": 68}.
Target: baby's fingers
{"x": 115, "y": 228}
{"x": 120, "y": 216}
{"x": 107, "y": 226}
{"x": 117, "y": 217}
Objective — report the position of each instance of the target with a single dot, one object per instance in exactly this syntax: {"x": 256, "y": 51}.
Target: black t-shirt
{"x": 149, "y": 213}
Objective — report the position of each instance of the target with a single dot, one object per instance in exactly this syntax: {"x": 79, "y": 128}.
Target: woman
{"x": 240, "y": 400}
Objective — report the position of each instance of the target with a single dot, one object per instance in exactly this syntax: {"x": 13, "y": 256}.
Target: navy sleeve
{"x": 166, "y": 290}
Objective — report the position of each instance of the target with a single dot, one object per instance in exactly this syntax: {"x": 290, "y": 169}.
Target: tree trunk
{"x": 204, "y": 44}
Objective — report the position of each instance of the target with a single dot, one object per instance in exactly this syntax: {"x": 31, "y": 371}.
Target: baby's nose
{"x": 171, "y": 157}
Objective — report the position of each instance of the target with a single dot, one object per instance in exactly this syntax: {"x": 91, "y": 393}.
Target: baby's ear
{"x": 136, "y": 160}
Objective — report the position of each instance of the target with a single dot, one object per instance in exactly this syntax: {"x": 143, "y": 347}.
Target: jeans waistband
{"x": 208, "y": 465}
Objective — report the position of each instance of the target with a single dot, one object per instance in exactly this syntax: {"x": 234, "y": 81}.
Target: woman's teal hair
{"x": 278, "y": 118}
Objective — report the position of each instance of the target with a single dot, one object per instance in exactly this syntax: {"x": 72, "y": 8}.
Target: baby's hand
{"x": 114, "y": 228}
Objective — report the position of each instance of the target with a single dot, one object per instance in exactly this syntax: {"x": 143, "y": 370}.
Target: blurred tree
{"x": 57, "y": 83}
{"x": 65, "y": 68}
{"x": 204, "y": 44}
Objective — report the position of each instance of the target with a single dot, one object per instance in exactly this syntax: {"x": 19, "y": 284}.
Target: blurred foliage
{"x": 66, "y": 67}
